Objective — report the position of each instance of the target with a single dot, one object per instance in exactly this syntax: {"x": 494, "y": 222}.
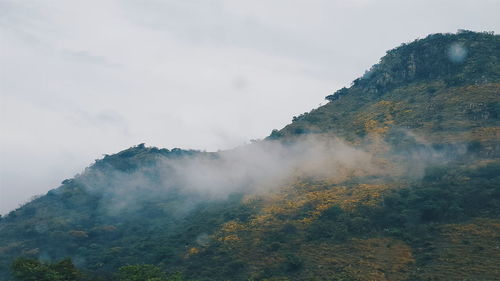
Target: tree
{"x": 275, "y": 134}
{"x": 25, "y": 269}
{"x": 142, "y": 272}
{"x": 66, "y": 270}
{"x": 338, "y": 94}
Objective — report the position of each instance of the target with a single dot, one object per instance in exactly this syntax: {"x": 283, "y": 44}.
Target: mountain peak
{"x": 465, "y": 57}
{"x": 409, "y": 88}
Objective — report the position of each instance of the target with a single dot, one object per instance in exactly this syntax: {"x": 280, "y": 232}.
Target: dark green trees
{"x": 143, "y": 272}
{"x": 24, "y": 269}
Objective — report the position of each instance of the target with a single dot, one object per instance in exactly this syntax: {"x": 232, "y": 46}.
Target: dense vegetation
{"x": 429, "y": 112}
{"x": 65, "y": 270}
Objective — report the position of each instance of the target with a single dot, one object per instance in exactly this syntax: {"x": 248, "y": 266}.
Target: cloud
{"x": 139, "y": 177}
{"x": 259, "y": 167}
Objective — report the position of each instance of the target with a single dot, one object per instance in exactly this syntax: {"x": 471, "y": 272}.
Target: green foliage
{"x": 143, "y": 272}
{"x": 24, "y": 269}
{"x": 275, "y": 134}
{"x": 450, "y": 193}
{"x": 293, "y": 262}
{"x": 430, "y": 91}
{"x": 332, "y": 224}
{"x": 429, "y": 58}
{"x": 338, "y": 94}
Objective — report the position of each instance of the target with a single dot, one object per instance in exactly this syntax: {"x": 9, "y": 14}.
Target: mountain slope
{"x": 396, "y": 178}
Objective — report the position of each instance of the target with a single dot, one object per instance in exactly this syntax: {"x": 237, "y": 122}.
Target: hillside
{"x": 396, "y": 178}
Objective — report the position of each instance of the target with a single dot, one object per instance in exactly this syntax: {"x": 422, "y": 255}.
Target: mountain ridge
{"x": 408, "y": 161}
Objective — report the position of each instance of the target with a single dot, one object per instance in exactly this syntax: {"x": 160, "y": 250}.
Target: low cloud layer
{"x": 259, "y": 167}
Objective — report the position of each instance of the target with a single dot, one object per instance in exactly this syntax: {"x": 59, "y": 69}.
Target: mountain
{"x": 396, "y": 178}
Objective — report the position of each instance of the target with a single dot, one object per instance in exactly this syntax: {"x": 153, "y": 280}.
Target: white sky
{"x": 79, "y": 79}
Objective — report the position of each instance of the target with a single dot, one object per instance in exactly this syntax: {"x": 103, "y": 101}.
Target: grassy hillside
{"x": 420, "y": 200}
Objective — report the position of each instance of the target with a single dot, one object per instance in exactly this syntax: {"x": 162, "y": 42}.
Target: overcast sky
{"x": 79, "y": 79}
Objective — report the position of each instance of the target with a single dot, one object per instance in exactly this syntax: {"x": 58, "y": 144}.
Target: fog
{"x": 261, "y": 167}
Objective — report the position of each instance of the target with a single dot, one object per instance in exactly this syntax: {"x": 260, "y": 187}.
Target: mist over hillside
{"x": 130, "y": 178}
{"x": 395, "y": 178}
